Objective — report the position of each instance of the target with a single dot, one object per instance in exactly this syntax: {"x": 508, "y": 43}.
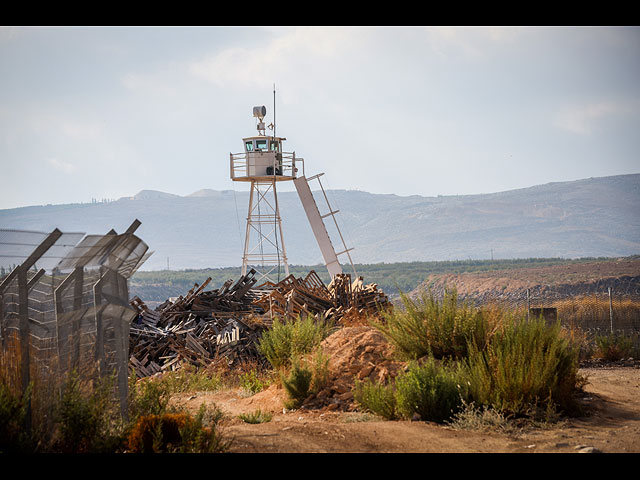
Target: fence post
{"x": 528, "y": 304}
{"x": 610, "y": 309}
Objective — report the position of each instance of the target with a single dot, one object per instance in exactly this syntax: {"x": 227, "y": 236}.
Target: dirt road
{"x": 612, "y": 425}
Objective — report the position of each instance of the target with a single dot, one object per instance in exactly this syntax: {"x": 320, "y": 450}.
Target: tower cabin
{"x": 263, "y": 158}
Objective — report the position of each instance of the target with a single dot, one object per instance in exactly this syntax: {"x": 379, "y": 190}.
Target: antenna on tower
{"x": 274, "y": 109}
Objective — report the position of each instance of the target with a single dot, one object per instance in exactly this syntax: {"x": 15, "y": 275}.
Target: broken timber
{"x": 227, "y": 322}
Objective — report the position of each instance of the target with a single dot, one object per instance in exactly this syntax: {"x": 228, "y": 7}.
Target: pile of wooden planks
{"x": 203, "y": 326}
{"x": 196, "y": 328}
{"x": 294, "y": 297}
{"x": 355, "y": 300}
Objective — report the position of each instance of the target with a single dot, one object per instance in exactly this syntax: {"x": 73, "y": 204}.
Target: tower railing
{"x": 286, "y": 164}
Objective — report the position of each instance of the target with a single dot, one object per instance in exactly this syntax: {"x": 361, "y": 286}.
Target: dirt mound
{"x": 354, "y": 353}
{"x": 269, "y": 400}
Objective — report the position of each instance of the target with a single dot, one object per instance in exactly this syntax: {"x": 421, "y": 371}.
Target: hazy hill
{"x": 596, "y": 217}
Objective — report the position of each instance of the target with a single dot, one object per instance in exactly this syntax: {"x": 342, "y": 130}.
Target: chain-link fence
{"x": 64, "y": 307}
{"x": 603, "y": 306}
{"x": 603, "y": 312}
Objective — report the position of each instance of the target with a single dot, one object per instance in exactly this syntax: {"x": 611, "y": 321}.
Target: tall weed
{"x": 376, "y": 398}
{"x": 307, "y": 376}
{"x": 614, "y": 346}
{"x": 442, "y": 328}
{"x": 148, "y": 396}
{"x": 288, "y": 338}
{"x": 297, "y": 384}
{"x": 13, "y": 416}
{"x": 430, "y": 391}
{"x": 527, "y": 367}
{"x": 88, "y": 417}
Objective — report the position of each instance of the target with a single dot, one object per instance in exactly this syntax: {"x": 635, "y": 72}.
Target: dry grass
{"x": 594, "y": 312}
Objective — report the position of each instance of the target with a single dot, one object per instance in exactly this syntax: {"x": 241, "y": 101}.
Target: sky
{"x": 105, "y": 112}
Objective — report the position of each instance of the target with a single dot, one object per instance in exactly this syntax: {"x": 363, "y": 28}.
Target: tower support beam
{"x": 264, "y": 248}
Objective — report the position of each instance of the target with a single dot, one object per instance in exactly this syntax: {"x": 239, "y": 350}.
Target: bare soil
{"x": 330, "y": 421}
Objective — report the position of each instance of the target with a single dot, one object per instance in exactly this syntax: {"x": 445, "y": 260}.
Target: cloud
{"x": 10, "y": 34}
{"x": 164, "y": 83}
{"x": 584, "y": 119}
{"x": 470, "y": 42}
{"x": 81, "y": 131}
{"x": 61, "y": 165}
{"x": 282, "y": 55}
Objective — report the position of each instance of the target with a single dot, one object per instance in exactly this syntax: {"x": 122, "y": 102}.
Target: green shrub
{"x": 13, "y": 415}
{"x": 252, "y": 382}
{"x": 430, "y": 390}
{"x": 527, "y": 367}
{"x": 88, "y": 417}
{"x": 289, "y": 338}
{"x": 256, "y": 417}
{"x": 203, "y": 435}
{"x": 613, "y": 346}
{"x": 147, "y": 396}
{"x": 376, "y": 398}
{"x": 319, "y": 370}
{"x": 430, "y": 326}
{"x": 297, "y": 384}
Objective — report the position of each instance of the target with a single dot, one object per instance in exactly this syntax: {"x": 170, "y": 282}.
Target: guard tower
{"x": 264, "y": 163}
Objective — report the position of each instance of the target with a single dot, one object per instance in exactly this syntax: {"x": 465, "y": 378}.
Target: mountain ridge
{"x": 592, "y": 217}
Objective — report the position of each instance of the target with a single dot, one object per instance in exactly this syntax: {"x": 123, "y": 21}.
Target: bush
{"x": 482, "y": 418}
{"x": 431, "y": 391}
{"x": 157, "y": 433}
{"x": 319, "y": 370}
{"x": 88, "y": 417}
{"x": 376, "y": 398}
{"x": 307, "y": 376}
{"x": 428, "y": 391}
{"x": 528, "y": 367}
{"x": 256, "y": 417}
{"x": 177, "y": 433}
{"x": 202, "y": 435}
{"x": 613, "y": 346}
{"x": 297, "y": 384}
{"x": 13, "y": 416}
{"x": 150, "y": 396}
{"x": 147, "y": 396}
{"x": 429, "y": 326}
{"x": 252, "y": 382}
{"x": 284, "y": 340}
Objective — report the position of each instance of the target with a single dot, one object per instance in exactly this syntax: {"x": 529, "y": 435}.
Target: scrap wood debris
{"x": 196, "y": 328}
{"x": 204, "y": 325}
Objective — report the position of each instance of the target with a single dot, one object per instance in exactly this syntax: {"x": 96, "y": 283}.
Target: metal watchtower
{"x": 264, "y": 163}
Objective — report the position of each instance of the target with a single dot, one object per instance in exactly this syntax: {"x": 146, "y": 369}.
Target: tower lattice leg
{"x": 264, "y": 248}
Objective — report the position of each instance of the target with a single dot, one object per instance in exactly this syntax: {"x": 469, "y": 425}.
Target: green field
{"x": 157, "y": 286}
